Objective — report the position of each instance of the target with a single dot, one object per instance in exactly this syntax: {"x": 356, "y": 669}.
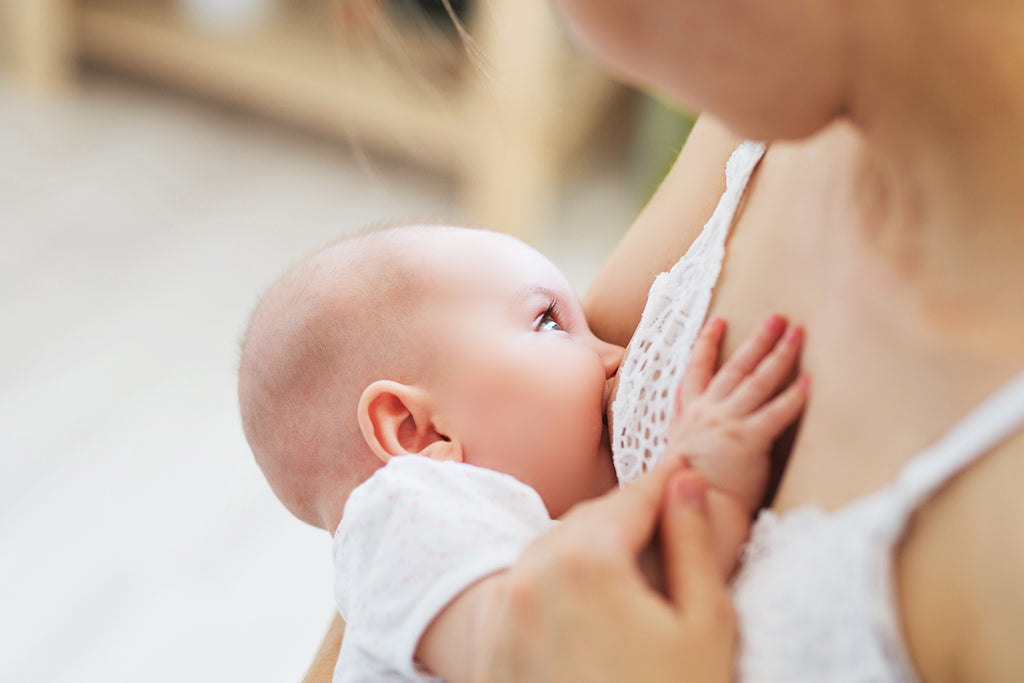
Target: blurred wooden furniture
{"x": 505, "y": 126}
{"x": 37, "y": 38}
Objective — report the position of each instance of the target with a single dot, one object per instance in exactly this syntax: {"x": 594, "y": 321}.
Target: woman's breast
{"x": 785, "y": 257}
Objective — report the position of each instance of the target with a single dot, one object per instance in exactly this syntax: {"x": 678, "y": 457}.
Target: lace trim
{"x": 676, "y": 307}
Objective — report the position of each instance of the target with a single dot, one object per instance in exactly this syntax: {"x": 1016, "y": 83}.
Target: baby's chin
{"x": 605, "y": 454}
{"x": 609, "y": 423}
{"x": 609, "y": 415}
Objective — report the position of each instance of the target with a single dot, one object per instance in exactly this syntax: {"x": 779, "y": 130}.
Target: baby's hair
{"x": 329, "y": 326}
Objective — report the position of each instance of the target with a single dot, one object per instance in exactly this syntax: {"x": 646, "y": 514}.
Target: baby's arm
{"x": 724, "y": 422}
{"x": 419, "y": 542}
{"x": 450, "y": 644}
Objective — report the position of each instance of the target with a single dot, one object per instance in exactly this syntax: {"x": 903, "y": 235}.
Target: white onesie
{"x": 412, "y": 537}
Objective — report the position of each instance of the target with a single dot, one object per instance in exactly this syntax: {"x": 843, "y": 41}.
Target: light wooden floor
{"x": 138, "y": 541}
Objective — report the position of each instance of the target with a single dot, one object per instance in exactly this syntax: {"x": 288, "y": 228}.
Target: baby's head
{"x": 450, "y": 343}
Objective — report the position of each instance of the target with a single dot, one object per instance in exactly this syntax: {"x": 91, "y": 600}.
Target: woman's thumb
{"x": 694, "y": 581}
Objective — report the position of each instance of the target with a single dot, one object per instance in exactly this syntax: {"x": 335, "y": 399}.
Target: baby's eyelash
{"x": 554, "y": 311}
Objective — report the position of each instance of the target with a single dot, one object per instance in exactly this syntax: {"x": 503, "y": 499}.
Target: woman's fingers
{"x": 624, "y": 520}
{"x": 770, "y": 374}
{"x": 562, "y": 614}
{"x": 746, "y": 357}
{"x": 700, "y": 367}
{"x": 696, "y": 586}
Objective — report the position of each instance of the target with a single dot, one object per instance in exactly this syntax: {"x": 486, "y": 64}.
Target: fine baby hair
{"x": 329, "y": 324}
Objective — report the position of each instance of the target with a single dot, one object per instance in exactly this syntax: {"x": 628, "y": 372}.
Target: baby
{"x": 466, "y": 353}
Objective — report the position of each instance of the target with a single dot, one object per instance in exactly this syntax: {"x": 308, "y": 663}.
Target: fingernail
{"x": 691, "y": 491}
{"x": 774, "y": 322}
{"x": 795, "y": 335}
{"x": 674, "y": 461}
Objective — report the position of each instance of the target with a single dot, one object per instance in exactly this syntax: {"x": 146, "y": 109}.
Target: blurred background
{"x": 161, "y": 161}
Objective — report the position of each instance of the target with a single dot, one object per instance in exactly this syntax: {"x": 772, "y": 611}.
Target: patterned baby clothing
{"x": 413, "y": 537}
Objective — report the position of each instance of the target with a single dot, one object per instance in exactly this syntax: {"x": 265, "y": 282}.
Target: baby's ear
{"x": 397, "y": 419}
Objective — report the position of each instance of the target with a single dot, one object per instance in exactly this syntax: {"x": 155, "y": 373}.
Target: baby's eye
{"x": 548, "y": 324}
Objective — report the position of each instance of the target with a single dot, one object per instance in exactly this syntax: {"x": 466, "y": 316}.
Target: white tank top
{"x": 814, "y": 594}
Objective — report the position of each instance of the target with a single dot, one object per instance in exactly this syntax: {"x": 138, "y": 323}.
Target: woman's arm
{"x": 322, "y": 668}
{"x": 958, "y": 575}
{"x": 661, "y": 233}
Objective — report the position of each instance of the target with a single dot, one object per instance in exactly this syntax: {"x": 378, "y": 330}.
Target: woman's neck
{"x": 936, "y": 180}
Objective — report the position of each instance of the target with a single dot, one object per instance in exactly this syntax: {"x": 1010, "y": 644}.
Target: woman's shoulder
{"x": 958, "y": 573}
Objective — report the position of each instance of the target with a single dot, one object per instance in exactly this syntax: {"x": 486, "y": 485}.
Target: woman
{"x": 893, "y": 230}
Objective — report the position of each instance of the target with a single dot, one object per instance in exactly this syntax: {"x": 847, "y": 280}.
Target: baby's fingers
{"x": 770, "y": 375}
{"x": 746, "y": 357}
{"x": 782, "y": 410}
{"x": 701, "y": 366}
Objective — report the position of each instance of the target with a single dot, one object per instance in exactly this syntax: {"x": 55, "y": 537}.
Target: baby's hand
{"x": 725, "y": 422}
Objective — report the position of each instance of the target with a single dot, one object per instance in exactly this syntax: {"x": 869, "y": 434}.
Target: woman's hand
{"x": 577, "y": 607}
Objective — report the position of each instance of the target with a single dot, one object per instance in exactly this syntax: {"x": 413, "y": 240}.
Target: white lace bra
{"x": 676, "y": 307}
{"x": 814, "y": 594}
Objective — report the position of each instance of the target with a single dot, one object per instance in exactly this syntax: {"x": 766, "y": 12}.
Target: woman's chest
{"x": 872, "y": 365}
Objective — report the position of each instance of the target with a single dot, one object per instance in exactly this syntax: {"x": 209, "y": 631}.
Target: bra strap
{"x": 709, "y": 246}
{"x": 738, "y": 170}
{"x": 992, "y": 421}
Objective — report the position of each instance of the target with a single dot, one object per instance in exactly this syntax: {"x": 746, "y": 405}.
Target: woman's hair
{"x": 428, "y": 39}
